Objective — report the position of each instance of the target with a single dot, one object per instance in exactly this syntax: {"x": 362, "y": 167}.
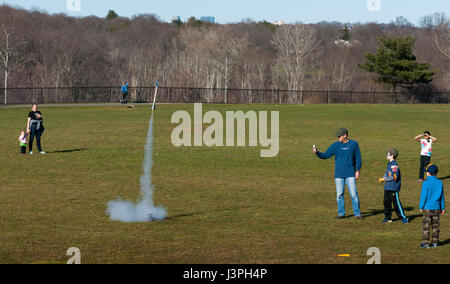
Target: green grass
{"x": 225, "y": 205}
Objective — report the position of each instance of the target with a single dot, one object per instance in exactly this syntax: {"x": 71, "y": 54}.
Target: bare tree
{"x": 146, "y": 66}
{"x": 252, "y": 73}
{"x": 229, "y": 48}
{"x": 11, "y": 55}
{"x": 432, "y": 21}
{"x": 295, "y": 45}
{"x": 441, "y": 37}
{"x": 342, "y": 71}
{"x": 207, "y": 57}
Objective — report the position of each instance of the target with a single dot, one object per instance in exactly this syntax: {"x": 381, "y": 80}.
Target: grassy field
{"x": 225, "y": 205}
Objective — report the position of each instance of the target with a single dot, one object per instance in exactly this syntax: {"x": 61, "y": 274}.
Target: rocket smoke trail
{"x": 144, "y": 210}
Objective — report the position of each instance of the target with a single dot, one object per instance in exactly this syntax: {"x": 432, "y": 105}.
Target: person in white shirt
{"x": 426, "y": 142}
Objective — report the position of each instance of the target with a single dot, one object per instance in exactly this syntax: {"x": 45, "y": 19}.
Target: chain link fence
{"x": 112, "y": 94}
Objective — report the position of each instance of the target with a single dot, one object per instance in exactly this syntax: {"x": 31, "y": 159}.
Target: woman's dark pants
{"x": 424, "y": 162}
{"x": 37, "y": 133}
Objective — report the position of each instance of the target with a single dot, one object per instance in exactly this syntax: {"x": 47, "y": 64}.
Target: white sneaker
{"x": 42, "y": 152}
{"x": 31, "y": 153}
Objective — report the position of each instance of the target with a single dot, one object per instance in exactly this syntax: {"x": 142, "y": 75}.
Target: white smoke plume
{"x": 144, "y": 210}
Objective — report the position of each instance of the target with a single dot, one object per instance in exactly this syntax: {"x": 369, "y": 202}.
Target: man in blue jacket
{"x": 347, "y": 170}
{"x": 432, "y": 205}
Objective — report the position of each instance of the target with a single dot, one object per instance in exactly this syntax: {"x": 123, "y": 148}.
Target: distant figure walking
{"x": 426, "y": 142}
{"x": 124, "y": 93}
{"x": 35, "y": 127}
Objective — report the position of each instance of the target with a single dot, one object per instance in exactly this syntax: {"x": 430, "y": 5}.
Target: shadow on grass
{"x": 446, "y": 242}
{"x": 442, "y": 178}
{"x": 68, "y": 151}
{"x": 185, "y": 215}
{"x": 375, "y": 212}
{"x": 412, "y": 217}
{"x": 182, "y": 216}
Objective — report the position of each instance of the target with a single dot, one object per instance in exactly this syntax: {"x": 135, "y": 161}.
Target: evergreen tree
{"x": 112, "y": 15}
{"x": 195, "y": 22}
{"x": 345, "y": 34}
{"x": 268, "y": 25}
{"x": 395, "y": 64}
{"x": 177, "y": 22}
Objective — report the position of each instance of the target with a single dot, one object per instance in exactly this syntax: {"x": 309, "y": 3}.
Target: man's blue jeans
{"x": 340, "y": 187}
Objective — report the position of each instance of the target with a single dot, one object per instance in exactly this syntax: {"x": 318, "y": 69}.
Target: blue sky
{"x": 230, "y": 11}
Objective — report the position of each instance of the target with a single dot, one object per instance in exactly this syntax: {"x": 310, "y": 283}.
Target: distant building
{"x": 347, "y": 26}
{"x": 208, "y": 19}
{"x": 176, "y": 18}
{"x": 341, "y": 42}
{"x": 279, "y": 23}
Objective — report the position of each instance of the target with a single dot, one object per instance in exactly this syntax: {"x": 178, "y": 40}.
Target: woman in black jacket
{"x": 35, "y": 127}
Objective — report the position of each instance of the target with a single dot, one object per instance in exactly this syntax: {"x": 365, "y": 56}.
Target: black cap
{"x": 432, "y": 169}
{"x": 342, "y": 132}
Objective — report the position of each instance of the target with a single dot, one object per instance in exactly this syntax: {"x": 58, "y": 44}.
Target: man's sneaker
{"x": 427, "y": 246}
{"x": 434, "y": 245}
{"x": 31, "y": 152}
{"x": 405, "y": 221}
{"x": 359, "y": 217}
{"x": 42, "y": 152}
{"x": 386, "y": 221}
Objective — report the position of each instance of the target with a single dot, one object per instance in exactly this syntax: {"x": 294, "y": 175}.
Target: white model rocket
{"x": 154, "y": 97}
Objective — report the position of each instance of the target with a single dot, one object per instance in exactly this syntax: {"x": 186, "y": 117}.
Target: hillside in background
{"x": 58, "y": 50}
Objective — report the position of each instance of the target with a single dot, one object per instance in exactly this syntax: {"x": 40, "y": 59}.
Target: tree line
{"x": 42, "y": 50}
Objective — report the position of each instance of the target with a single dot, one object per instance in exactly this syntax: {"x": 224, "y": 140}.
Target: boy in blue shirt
{"x": 392, "y": 186}
{"x": 124, "y": 92}
{"x": 432, "y": 205}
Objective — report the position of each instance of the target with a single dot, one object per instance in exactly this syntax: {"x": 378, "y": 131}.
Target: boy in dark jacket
{"x": 393, "y": 183}
{"x": 432, "y": 205}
